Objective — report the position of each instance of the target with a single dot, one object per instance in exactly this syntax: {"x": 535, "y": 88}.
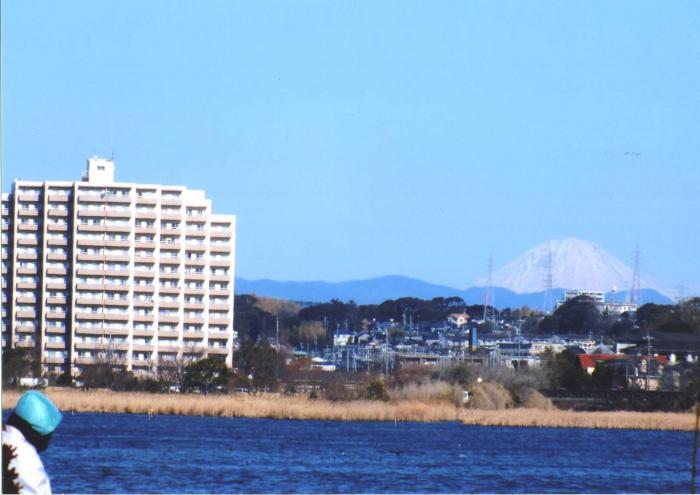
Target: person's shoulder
{"x": 13, "y": 437}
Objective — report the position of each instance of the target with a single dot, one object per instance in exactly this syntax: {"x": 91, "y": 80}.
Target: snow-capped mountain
{"x": 576, "y": 264}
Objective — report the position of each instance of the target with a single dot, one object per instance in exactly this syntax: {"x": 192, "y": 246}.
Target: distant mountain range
{"x": 572, "y": 263}
{"x": 377, "y": 290}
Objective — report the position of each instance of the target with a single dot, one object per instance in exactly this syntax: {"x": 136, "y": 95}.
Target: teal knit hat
{"x": 37, "y": 410}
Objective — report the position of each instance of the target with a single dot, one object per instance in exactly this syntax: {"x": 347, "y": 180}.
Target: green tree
{"x": 19, "y": 363}
{"x": 259, "y": 360}
{"x": 567, "y": 372}
{"x": 309, "y": 331}
{"x": 376, "y": 390}
{"x": 206, "y": 375}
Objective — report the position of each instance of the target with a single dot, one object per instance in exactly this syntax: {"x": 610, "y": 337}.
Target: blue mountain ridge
{"x": 379, "y": 289}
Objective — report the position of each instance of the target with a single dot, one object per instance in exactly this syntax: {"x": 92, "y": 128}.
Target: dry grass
{"x": 433, "y": 390}
{"x": 281, "y": 407}
{"x": 265, "y": 406}
{"x": 624, "y": 420}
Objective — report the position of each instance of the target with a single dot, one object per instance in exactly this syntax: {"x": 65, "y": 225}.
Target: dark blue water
{"x": 130, "y": 453}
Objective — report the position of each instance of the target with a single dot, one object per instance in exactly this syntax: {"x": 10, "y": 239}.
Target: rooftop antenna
{"x": 548, "y": 278}
{"x": 490, "y": 300}
{"x": 635, "y": 296}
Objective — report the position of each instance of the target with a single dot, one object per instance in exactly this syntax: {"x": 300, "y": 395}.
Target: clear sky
{"x": 358, "y": 139}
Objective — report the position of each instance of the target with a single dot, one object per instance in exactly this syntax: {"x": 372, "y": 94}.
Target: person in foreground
{"x": 26, "y": 433}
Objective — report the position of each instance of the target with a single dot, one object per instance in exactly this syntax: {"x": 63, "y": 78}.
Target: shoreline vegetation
{"x": 274, "y": 406}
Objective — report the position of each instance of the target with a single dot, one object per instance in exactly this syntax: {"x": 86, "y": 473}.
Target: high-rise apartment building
{"x": 139, "y": 275}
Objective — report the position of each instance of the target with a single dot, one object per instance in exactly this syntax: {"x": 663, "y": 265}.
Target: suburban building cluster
{"x": 636, "y": 363}
{"x": 140, "y": 275}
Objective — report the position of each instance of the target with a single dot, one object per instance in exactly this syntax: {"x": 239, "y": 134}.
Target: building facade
{"x": 137, "y": 275}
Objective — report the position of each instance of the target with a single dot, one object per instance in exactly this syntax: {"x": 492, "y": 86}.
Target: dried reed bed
{"x": 281, "y": 407}
{"x": 623, "y": 420}
{"x": 265, "y": 406}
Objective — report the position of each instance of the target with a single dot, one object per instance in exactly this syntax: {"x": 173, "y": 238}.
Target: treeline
{"x": 580, "y": 315}
{"x": 257, "y": 317}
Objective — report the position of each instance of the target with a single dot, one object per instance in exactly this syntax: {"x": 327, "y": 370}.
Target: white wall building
{"x": 139, "y": 274}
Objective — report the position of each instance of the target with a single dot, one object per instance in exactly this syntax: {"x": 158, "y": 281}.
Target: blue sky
{"x": 357, "y": 139}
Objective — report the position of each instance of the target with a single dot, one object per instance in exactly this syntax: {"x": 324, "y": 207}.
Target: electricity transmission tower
{"x": 635, "y": 296}
{"x": 548, "y": 281}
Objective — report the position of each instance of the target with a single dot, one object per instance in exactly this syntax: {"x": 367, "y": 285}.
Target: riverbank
{"x": 283, "y": 407}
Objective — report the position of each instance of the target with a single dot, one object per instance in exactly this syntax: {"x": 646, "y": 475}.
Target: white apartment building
{"x": 141, "y": 275}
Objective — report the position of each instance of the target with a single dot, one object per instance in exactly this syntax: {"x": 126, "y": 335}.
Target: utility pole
{"x": 386, "y": 352}
{"x": 648, "y": 358}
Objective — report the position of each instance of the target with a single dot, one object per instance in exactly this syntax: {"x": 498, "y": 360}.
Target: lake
{"x": 131, "y": 453}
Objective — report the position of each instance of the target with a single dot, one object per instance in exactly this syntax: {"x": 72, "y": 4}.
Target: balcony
{"x": 168, "y": 319}
{"x": 58, "y": 197}
{"x": 56, "y": 330}
{"x": 55, "y": 315}
{"x": 57, "y": 227}
{"x": 220, "y": 263}
{"x": 101, "y": 344}
{"x": 27, "y": 227}
{"x": 54, "y": 345}
{"x": 220, "y": 307}
{"x": 218, "y": 350}
{"x": 54, "y": 241}
{"x": 26, "y": 212}
{"x": 146, "y": 200}
{"x": 171, "y": 201}
{"x": 193, "y": 320}
{"x": 168, "y": 333}
{"x": 54, "y": 359}
{"x": 85, "y": 316}
{"x": 118, "y": 228}
{"x": 145, "y": 230}
{"x": 60, "y": 301}
{"x": 220, "y": 321}
{"x": 55, "y": 212}
{"x": 191, "y": 305}
{"x": 149, "y": 289}
{"x": 143, "y": 332}
{"x": 143, "y": 347}
{"x": 196, "y": 262}
{"x": 145, "y": 214}
{"x": 26, "y": 285}
{"x": 81, "y": 330}
{"x": 143, "y": 318}
{"x": 220, "y": 248}
{"x": 25, "y": 343}
{"x": 174, "y": 246}
{"x": 142, "y": 244}
{"x": 192, "y": 335}
{"x": 26, "y": 241}
{"x": 168, "y": 347}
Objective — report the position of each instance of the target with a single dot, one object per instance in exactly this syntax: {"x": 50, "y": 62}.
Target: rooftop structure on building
{"x": 136, "y": 275}
{"x": 598, "y": 298}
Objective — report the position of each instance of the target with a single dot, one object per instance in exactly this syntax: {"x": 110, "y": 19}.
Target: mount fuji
{"x": 575, "y": 264}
